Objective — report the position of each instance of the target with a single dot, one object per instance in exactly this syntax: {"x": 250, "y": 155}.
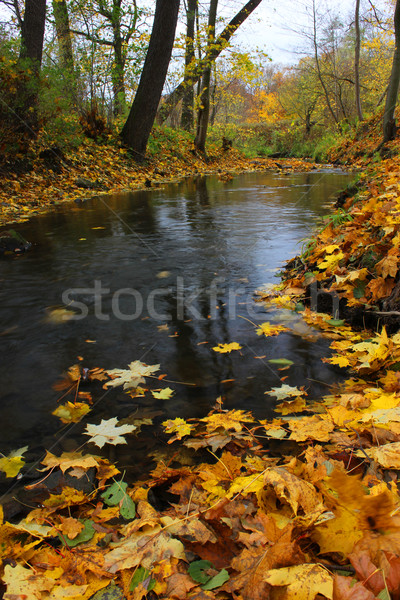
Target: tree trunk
{"x": 188, "y": 98}
{"x": 118, "y": 78}
{"x": 136, "y": 131}
{"x": 389, "y": 122}
{"x": 60, "y": 12}
{"x": 204, "y": 110}
{"x": 30, "y": 60}
{"x": 220, "y": 43}
{"x": 357, "y": 62}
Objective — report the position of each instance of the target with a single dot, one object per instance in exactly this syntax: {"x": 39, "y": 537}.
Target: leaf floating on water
{"x": 269, "y": 329}
{"x": 164, "y": 394}
{"x": 281, "y": 361}
{"x": 163, "y": 274}
{"x": 132, "y": 377}
{"x": 71, "y": 412}
{"x": 108, "y": 432}
{"x": 177, "y": 426}
{"x": 59, "y": 315}
{"x": 13, "y": 463}
{"x": 69, "y": 460}
{"x": 284, "y": 391}
{"x": 224, "y": 348}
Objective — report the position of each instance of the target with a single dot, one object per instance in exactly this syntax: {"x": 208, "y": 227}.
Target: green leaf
{"x": 335, "y": 322}
{"x": 140, "y": 576}
{"x": 127, "y": 509}
{"x": 85, "y": 535}
{"x": 280, "y": 361}
{"x": 384, "y": 595}
{"x": 115, "y": 493}
{"x": 197, "y": 570}
{"x": 359, "y": 291}
{"x": 217, "y": 580}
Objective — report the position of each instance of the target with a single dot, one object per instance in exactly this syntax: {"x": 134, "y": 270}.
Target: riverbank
{"x": 353, "y": 262}
{"x": 51, "y": 177}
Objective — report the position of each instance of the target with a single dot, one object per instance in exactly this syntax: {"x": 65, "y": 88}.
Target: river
{"x": 161, "y": 276}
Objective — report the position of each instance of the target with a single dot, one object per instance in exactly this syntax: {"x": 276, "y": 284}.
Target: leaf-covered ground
{"x": 91, "y": 169}
{"x": 301, "y": 506}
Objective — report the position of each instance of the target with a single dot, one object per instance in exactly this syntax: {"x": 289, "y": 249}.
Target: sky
{"x": 273, "y": 26}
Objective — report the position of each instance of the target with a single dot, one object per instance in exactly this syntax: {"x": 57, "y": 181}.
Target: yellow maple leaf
{"x": 330, "y": 261}
{"x": 178, "y": 426}
{"x": 387, "y": 455}
{"x": 268, "y": 329}
{"x": 223, "y": 348}
{"x": 69, "y": 460}
{"x": 229, "y": 420}
{"x": 291, "y": 406}
{"x": 341, "y": 361}
{"x": 302, "y": 581}
{"x": 380, "y": 288}
{"x": 71, "y": 412}
{"x": 13, "y": 463}
{"x": 314, "y": 428}
{"x": 339, "y": 533}
{"x": 388, "y": 266}
{"x": 164, "y": 394}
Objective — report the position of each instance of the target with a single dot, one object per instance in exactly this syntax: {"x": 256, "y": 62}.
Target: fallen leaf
{"x": 13, "y": 463}
{"x": 108, "y": 432}
{"x": 224, "y": 348}
{"x": 132, "y": 377}
{"x": 302, "y": 581}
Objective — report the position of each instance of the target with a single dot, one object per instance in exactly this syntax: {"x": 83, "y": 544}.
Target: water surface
{"x": 193, "y": 253}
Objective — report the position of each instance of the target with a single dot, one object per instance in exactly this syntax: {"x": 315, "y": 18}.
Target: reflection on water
{"x": 164, "y": 275}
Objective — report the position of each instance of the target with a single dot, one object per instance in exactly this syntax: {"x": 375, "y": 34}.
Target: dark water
{"x": 193, "y": 254}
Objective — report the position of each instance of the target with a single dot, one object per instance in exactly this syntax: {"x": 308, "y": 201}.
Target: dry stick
{"x": 387, "y": 313}
{"x": 171, "y": 381}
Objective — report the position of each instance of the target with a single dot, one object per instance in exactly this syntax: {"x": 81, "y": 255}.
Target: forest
{"x": 109, "y": 72}
{"x": 199, "y": 302}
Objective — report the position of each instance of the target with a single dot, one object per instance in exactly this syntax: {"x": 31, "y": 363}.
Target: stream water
{"x": 160, "y": 276}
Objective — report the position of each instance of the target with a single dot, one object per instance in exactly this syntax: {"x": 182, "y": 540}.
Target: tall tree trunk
{"x": 118, "y": 78}
{"x": 30, "y": 60}
{"x": 188, "y": 98}
{"x": 357, "y": 62}
{"x": 60, "y": 12}
{"x": 220, "y": 43}
{"x": 389, "y": 122}
{"x": 136, "y": 131}
{"x": 204, "y": 110}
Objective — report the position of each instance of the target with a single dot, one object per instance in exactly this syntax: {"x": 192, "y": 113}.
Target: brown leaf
{"x": 344, "y": 588}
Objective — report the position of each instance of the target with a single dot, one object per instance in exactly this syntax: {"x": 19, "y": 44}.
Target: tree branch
{"x": 218, "y": 46}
